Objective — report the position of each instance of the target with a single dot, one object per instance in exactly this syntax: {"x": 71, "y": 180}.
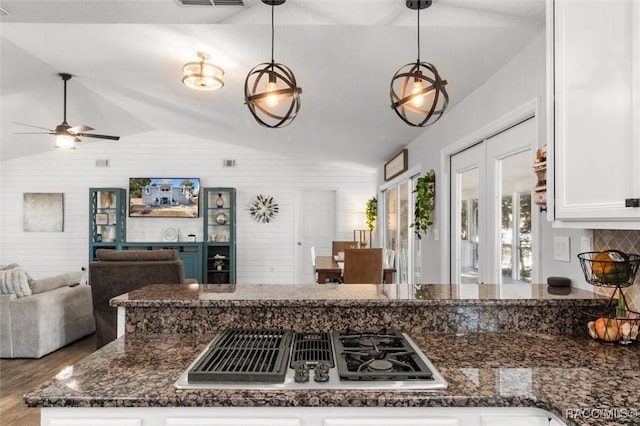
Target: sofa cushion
{"x": 14, "y": 281}
{"x": 13, "y": 266}
{"x": 135, "y": 255}
{"x": 51, "y": 283}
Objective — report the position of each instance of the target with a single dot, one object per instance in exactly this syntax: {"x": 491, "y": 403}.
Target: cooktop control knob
{"x": 321, "y": 372}
{"x": 302, "y": 374}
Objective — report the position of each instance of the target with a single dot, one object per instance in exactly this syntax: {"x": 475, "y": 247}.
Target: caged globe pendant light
{"x": 418, "y": 93}
{"x": 270, "y": 89}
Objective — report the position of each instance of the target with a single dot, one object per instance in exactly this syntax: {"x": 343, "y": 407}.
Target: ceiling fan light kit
{"x": 202, "y": 75}
{"x": 66, "y": 135}
{"x": 271, "y": 91}
{"x": 418, "y": 93}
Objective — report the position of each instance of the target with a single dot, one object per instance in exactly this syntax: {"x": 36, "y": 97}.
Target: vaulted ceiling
{"x": 126, "y": 58}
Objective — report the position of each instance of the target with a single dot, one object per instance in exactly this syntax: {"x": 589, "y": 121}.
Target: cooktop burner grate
{"x": 241, "y": 355}
{"x": 380, "y": 355}
{"x": 311, "y": 349}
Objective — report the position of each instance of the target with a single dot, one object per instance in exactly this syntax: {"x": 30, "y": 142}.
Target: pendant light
{"x": 270, "y": 89}
{"x": 418, "y": 93}
{"x": 202, "y": 75}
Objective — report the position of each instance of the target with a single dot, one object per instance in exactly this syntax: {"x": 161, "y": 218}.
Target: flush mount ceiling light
{"x": 270, "y": 89}
{"x": 418, "y": 93}
{"x": 202, "y": 75}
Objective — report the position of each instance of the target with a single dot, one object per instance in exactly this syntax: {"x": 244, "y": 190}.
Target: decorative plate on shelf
{"x": 263, "y": 208}
{"x": 221, "y": 219}
{"x": 170, "y": 234}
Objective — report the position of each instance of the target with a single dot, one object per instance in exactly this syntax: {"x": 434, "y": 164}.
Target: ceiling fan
{"x": 66, "y": 135}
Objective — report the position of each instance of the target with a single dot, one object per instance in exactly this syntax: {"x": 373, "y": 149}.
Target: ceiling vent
{"x": 228, "y": 2}
{"x": 228, "y": 163}
{"x": 210, "y": 2}
{"x": 195, "y": 2}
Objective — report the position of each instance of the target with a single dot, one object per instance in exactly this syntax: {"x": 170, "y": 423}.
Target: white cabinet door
{"x": 595, "y": 126}
{"x": 85, "y": 421}
{"x": 392, "y": 421}
{"x": 247, "y": 421}
{"x": 513, "y": 421}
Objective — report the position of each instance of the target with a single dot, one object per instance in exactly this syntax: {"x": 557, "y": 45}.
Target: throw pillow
{"x": 51, "y": 283}
{"x": 14, "y": 281}
{"x": 13, "y": 266}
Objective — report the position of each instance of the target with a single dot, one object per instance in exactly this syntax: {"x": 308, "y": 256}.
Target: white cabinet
{"x": 594, "y": 111}
{"x": 88, "y": 421}
{"x": 244, "y": 421}
{"x": 393, "y": 421}
{"x": 513, "y": 421}
{"x": 295, "y": 416}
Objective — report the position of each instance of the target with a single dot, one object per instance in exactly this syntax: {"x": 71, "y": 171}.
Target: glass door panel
{"x": 466, "y": 217}
{"x": 469, "y": 226}
{"x": 515, "y": 220}
{"x": 391, "y": 219}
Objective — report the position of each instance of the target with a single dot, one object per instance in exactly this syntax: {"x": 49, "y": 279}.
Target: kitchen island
{"x": 582, "y": 381}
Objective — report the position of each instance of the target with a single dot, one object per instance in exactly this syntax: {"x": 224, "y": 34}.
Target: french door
{"x": 492, "y": 226}
{"x": 397, "y": 235}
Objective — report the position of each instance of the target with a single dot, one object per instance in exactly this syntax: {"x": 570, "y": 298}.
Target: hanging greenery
{"x": 424, "y": 212}
{"x": 372, "y": 212}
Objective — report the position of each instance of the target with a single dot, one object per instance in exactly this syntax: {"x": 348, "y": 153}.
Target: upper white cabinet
{"x": 594, "y": 112}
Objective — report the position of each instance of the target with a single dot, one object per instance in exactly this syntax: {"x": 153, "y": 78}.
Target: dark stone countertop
{"x": 550, "y": 371}
{"x": 314, "y": 295}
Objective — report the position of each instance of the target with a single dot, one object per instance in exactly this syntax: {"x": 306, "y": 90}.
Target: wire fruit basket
{"x": 609, "y": 268}
{"x": 617, "y": 270}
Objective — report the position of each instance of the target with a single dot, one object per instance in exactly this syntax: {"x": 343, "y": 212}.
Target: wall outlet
{"x": 561, "y": 249}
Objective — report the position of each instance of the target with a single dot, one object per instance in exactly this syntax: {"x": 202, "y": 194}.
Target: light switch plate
{"x": 561, "y": 249}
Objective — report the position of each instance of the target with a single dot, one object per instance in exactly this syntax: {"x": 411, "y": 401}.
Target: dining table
{"x": 328, "y": 267}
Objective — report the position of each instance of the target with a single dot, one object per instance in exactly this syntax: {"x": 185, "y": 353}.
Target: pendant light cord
{"x": 272, "y": 31}
{"x": 418, "y": 35}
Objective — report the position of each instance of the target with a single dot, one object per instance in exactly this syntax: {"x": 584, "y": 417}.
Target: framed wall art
{"x": 43, "y": 212}
{"x": 102, "y": 218}
{"x": 397, "y": 165}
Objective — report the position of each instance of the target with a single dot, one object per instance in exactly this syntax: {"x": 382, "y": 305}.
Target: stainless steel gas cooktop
{"x": 264, "y": 359}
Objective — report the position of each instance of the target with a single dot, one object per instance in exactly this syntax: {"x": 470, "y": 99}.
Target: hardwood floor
{"x": 17, "y": 376}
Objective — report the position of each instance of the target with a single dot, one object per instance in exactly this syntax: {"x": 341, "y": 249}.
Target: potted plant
{"x": 371, "y": 212}
{"x": 218, "y": 264}
{"x": 423, "y": 214}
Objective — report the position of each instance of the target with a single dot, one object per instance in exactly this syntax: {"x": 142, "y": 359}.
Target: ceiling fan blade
{"x": 32, "y": 133}
{"x": 89, "y": 135}
{"x": 79, "y": 129}
{"x": 31, "y": 125}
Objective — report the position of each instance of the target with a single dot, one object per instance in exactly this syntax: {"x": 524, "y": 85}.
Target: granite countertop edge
{"x": 224, "y": 303}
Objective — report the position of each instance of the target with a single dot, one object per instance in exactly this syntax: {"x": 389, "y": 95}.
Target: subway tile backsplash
{"x": 625, "y": 241}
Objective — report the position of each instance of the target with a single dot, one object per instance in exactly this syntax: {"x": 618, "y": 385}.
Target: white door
{"x": 315, "y": 226}
{"x": 467, "y": 216}
{"x": 492, "y": 220}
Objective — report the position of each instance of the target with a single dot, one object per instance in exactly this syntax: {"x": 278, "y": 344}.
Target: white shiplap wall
{"x": 265, "y": 251}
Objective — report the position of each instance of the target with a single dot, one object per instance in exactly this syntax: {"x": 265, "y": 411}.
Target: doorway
{"x": 397, "y": 234}
{"x": 315, "y": 227}
{"x": 492, "y": 226}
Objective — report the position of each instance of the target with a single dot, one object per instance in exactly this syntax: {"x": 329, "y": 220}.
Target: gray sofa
{"x": 53, "y": 316}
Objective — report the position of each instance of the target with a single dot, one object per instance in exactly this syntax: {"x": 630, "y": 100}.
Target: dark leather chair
{"x": 363, "y": 266}
{"x": 338, "y": 246}
{"x": 120, "y": 271}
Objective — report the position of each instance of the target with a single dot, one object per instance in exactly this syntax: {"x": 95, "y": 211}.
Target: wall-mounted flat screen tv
{"x": 164, "y": 197}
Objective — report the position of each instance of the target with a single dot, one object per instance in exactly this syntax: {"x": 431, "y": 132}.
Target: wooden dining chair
{"x": 363, "y": 266}
{"x": 338, "y": 246}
